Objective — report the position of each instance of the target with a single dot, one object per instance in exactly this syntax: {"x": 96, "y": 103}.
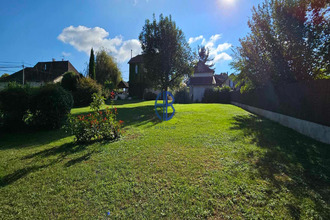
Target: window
{"x": 136, "y": 69}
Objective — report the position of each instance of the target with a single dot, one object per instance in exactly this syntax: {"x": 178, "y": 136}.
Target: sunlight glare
{"x": 227, "y": 3}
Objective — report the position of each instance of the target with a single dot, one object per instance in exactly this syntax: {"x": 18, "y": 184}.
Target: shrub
{"x": 96, "y": 126}
{"x": 50, "y": 106}
{"x": 70, "y": 81}
{"x": 150, "y": 96}
{"x": 86, "y": 87}
{"x": 182, "y": 96}
{"x": 14, "y": 103}
{"x": 217, "y": 95}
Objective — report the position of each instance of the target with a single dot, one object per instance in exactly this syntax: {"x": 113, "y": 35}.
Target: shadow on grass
{"x": 54, "y": 155}
{"x": 301, "y": 160}
{"x": 30, "y": 138}
{"x": 124, "y": 102}
{"x": 138, "y": 116}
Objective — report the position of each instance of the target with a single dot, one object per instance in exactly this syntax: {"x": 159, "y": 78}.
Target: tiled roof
{"x": 220, "y": 79}
{"x": 202, "y": 68}
{"x": 202, "y": 81}
{"x": 136, "y": 59}
{"x": 41, "y": 72}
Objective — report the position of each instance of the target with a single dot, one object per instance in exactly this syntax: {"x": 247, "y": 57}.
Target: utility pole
{"x": 131, "y": 53}
{"x": 23, "y": 74}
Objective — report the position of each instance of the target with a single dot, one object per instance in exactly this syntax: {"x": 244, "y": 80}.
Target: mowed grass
{"x": 210, "y": 161}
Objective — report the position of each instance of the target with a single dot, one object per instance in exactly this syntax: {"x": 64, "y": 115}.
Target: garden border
{"x": 310, "y": 129}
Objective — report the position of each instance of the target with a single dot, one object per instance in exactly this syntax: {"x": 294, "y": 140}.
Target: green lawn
{"x": 210, "y": 161}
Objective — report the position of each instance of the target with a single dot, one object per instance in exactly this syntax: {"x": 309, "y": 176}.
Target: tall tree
{"x": 166, "y": 53}
{"x": 204, "y": 56}
{"x": 106, "y": 69}
{"x": 91, "y": 68}
{"x": 285, "y": 44}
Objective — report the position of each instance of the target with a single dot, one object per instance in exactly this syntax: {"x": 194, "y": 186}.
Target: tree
{"x": 106, "y": 69}
{"x": 91, "y": 68}
{"x": 70, "y": 81}
{"x": 4, "y": 75}
{"x": 204, "y": 56}
{"x": 166, "y": 53}
{"x": 284, "y": 45}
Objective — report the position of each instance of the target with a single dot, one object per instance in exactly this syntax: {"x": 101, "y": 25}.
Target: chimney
{"x": 53, "y": 59}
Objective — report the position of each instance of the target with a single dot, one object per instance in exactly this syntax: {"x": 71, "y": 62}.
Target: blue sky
{"x": 35, "y": 31}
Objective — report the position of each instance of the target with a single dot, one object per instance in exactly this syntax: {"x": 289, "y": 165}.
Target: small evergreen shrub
{"x": 70, "y": 81}
{"x": 86, "y": 87}
{"x": 50, "y": 106}
{"x": 182, "y": 96}
{"x": 97, "y": 125}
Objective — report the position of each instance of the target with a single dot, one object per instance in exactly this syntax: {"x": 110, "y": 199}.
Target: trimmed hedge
{"x": 217, "y": 95}
{"x": 70, "y": 81}
{"x": 14, "y": 104}
{"x": 86, "y": 87}
{"x": 50, "y": 106}
{"x": 182, "y": 96}
{"x": 40, "y": 108}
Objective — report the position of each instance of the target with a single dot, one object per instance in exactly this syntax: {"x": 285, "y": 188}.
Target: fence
{"x": 308, "y": 101}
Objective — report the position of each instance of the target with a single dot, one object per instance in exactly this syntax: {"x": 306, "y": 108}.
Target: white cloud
{"x": 84, "y": 38}
{"x": 216, "y": 50}
{"x": 194, "y": 39}
{"x": 65, "y": 54}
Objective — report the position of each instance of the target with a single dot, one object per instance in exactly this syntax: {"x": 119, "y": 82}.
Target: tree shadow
{"x": 138, "y": 116}
{"x": 291, "y": 159}
{"x": 30, "y": 138}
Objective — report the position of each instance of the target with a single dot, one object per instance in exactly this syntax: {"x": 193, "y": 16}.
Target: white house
{"x": 204, "y": 78}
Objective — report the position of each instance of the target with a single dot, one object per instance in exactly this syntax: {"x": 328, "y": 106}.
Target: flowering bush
{"x": 95, "y": 126}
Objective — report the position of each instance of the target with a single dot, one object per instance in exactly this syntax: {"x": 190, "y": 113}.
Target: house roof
{"x": 202, "y": 81}
{"x": 202, "y": 68}
{"x": 41, "y": 72}
{"x": 136, "y": 59}
{"x": 122, "y": 84}
{"x": 220, "y": 79}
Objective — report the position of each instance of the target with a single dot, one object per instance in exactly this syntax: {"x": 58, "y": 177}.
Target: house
{"x": 137, "y": 77}
{"x": 40, "y": 74}
{"x": 204, "y": 78}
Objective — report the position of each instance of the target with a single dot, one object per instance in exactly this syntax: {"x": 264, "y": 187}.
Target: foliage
{"x": 96, "y": 126}
{"x": 97, "y": 102}
{"x": 150, "y": 96}
{"x": 91, "y": 67}
{"x": 14, "y": 103}
{"x": 70, "y": 81}
{"x": 86, "y": 87}
{"x": 50, "y": 106}
{"x": 4, "y": 75}
{"x": 182, "y": 96}
{"x": 166, "y": 53}
{"x": 289, "y": 42}
{"x": 106, "y": 68}
{"x": 217, "y": 95}
{"x": 204, "y": 56}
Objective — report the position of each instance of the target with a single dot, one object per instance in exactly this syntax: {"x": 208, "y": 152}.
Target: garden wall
{"x": 308, "y": 101}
